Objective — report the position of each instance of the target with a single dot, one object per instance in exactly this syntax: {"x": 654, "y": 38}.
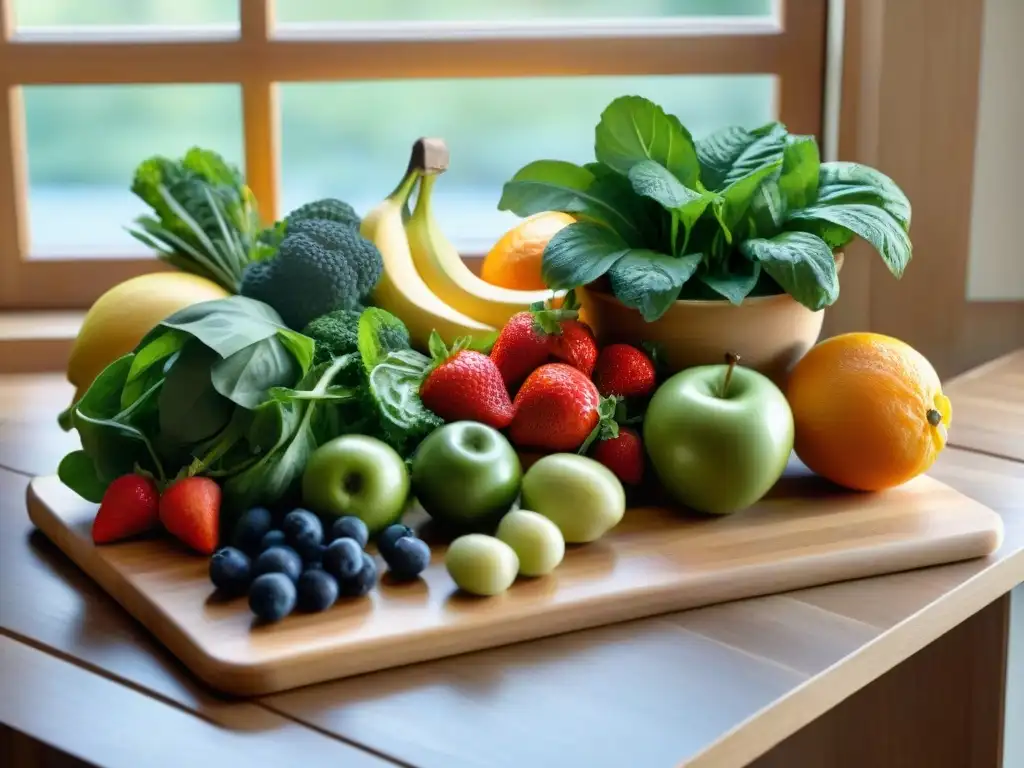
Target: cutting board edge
{"x": 241, "y": 678}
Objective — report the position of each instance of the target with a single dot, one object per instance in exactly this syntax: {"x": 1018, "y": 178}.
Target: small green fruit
{"x": 536, "y": 540}
{"x": 481, "y": 564}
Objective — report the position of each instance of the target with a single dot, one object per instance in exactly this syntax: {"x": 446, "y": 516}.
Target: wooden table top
{"x": 716, "y": 686}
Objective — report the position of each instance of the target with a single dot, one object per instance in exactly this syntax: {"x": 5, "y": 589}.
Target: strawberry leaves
{"x": 607, "y": 427}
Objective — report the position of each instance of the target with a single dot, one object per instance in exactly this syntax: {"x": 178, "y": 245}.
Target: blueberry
{"x": 317, "y": 591}
{"x": 350, "y": 527}
{"x": 279, "y": 560}
{"x": 230, "y": 570}
{"x": 302, "y": 528}
{"x": 312, "y": 554}
{"x": 272, "y": 596}
{"x": 362, "y": 582}
{"x": 270, "y": 539}
{"x": 408, "y": 557}
{"x": 390, "y": 535}
{"x": 250, "y": 529}
{"x": 343, "y": 558}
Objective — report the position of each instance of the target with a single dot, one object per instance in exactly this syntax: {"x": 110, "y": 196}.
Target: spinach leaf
{"x": 245, "y": 377}
{"x": 801, "y": 263}
{"x": 191, "y": 409}
{"x": 555, "y": 185}
{"x": 579, "y": 254}
{"x": 650, "y": 281}
{"x": 685, "y": 205}
{"x": 159, "y": 347}
{"x": 873, "y": 224}
{"x": 395, "y": 387}
{"x": 798, "y": 181}
{"x": 301, "y": 347}
{"x": 734, "y": 284}
{"x": 633, "y": 129}
{"x": 379, "y": 333}
{"x": 841, "y": 183}
{"x": 110, "y": 436}
{"x": 78, "y": 473}
{"x": 729, "y": 154}
{"x": 767, "y": 212}
{"x": 224, "y": 325}
{"x": 737, "y": 196}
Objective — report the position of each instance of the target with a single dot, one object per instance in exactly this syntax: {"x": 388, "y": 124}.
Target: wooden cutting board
{"x": 805, "y": 533}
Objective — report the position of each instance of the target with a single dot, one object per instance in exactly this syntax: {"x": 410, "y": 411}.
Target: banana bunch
{"x": 425, "y": 281}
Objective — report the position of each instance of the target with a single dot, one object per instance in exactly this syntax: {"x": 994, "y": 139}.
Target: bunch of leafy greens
{"x": 739, "y": 213}
{"x": 224, "y": 389}
{"x": 205, "y": 218}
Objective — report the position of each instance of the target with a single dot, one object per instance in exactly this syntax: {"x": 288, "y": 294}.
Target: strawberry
{"x": 530, "y": 339}
{"x": 190, "y": 511}
{"x": 556, "y": 409}
{"x": 574, "y": 346}
{"x": 129, "y": 507}
{"x": 465, "y": 385}
{"x": 622, "y": 454}
{"x": 624, "y": 371}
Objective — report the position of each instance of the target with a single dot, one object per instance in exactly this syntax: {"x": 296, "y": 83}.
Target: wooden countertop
{"x": 717, "y": 686}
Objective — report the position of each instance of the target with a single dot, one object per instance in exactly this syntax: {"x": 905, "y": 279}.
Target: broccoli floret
{"x": 328, "y": 209}
{"x": 335, "y": 334}
{"x": 320, "y": 266}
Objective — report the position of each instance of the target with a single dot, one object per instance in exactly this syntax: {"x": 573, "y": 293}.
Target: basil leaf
{"x": 842, "y": 183}
{"x": 733, "y": 285}
{"x": 649, "y": 281}
{"x": 729, "y": 154}
{"x": 798, "y": 181}
{"x": 633, "y": 129}
{"x": 579, "y": 254}
{"x": 555, "y": 185}
{"x": 737, "y": 196}
{"x": 245, "y": 377}
{"x": 869, "y": 222}
{"x": 799, "y": 262}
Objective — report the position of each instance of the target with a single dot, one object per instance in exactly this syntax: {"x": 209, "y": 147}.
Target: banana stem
{"x": 404, "y": 188}
{"x": 423, "y": 199}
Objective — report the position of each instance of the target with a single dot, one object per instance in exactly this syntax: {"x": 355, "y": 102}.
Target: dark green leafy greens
{"x": 738, "y": 213}
{"x": 224, "y": 389}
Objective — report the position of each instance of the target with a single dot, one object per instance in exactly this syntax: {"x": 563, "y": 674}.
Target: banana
{"x": 401, "y": 290}
{"x": 447, "y": 275}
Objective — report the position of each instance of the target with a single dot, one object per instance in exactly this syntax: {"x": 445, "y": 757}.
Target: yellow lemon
{"x": 118, "y": 320}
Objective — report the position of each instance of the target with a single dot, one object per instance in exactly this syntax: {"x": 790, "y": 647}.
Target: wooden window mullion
{"x": 261, "y": 115}
{"x": 13, "y": 182}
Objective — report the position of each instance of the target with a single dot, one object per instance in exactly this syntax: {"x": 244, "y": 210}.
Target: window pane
{"x": 84, "y": 143}
{"x": 352, "y": 140}
{"x": 49, "y": 13}
{"x": 520, "y": 10}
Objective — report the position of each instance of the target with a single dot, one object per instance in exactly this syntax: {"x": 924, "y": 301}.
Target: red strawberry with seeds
{"x": 130, "y": 506}
{"x": 190, "y": 511}
{"x": 465, "y": 385}
{"x": 530, "y": 339}
{"x": 575, "y": 346}
{"x": 556, "y": 409}
{"x": 622, "y": 454}
{"x": 624, "y": 371}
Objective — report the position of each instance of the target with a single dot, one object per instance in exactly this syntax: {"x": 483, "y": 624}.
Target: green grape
{"x": 537, "y": 541}
{"x": 481, "y": 565}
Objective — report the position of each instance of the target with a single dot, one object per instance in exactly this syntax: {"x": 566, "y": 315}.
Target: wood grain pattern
{"x": 988, "y": 408}
{"x": 805, "y": 533}
{"x": 106, "y": 724}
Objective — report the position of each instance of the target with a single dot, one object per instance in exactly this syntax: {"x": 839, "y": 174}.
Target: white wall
{"x": 996, "y": 263}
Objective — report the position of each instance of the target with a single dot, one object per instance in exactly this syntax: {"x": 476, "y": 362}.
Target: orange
{"x": 869, "y": 411}
{"x": 514, "y": 261}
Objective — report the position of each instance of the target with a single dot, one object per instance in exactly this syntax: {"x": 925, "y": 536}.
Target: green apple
{"x": 466, "y": 475}
{"x": 357, "y": 475}
{"x": 718, "y": 436}
{"x": 581, "y": 496}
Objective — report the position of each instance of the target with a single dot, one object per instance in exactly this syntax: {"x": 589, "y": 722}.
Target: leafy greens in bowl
{"x": 738, "y": 213}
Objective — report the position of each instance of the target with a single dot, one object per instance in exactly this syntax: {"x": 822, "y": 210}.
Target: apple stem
{"x": 731, "y": 359}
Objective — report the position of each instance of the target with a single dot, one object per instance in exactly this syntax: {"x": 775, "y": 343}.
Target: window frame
{"x": 257, "y": 55}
